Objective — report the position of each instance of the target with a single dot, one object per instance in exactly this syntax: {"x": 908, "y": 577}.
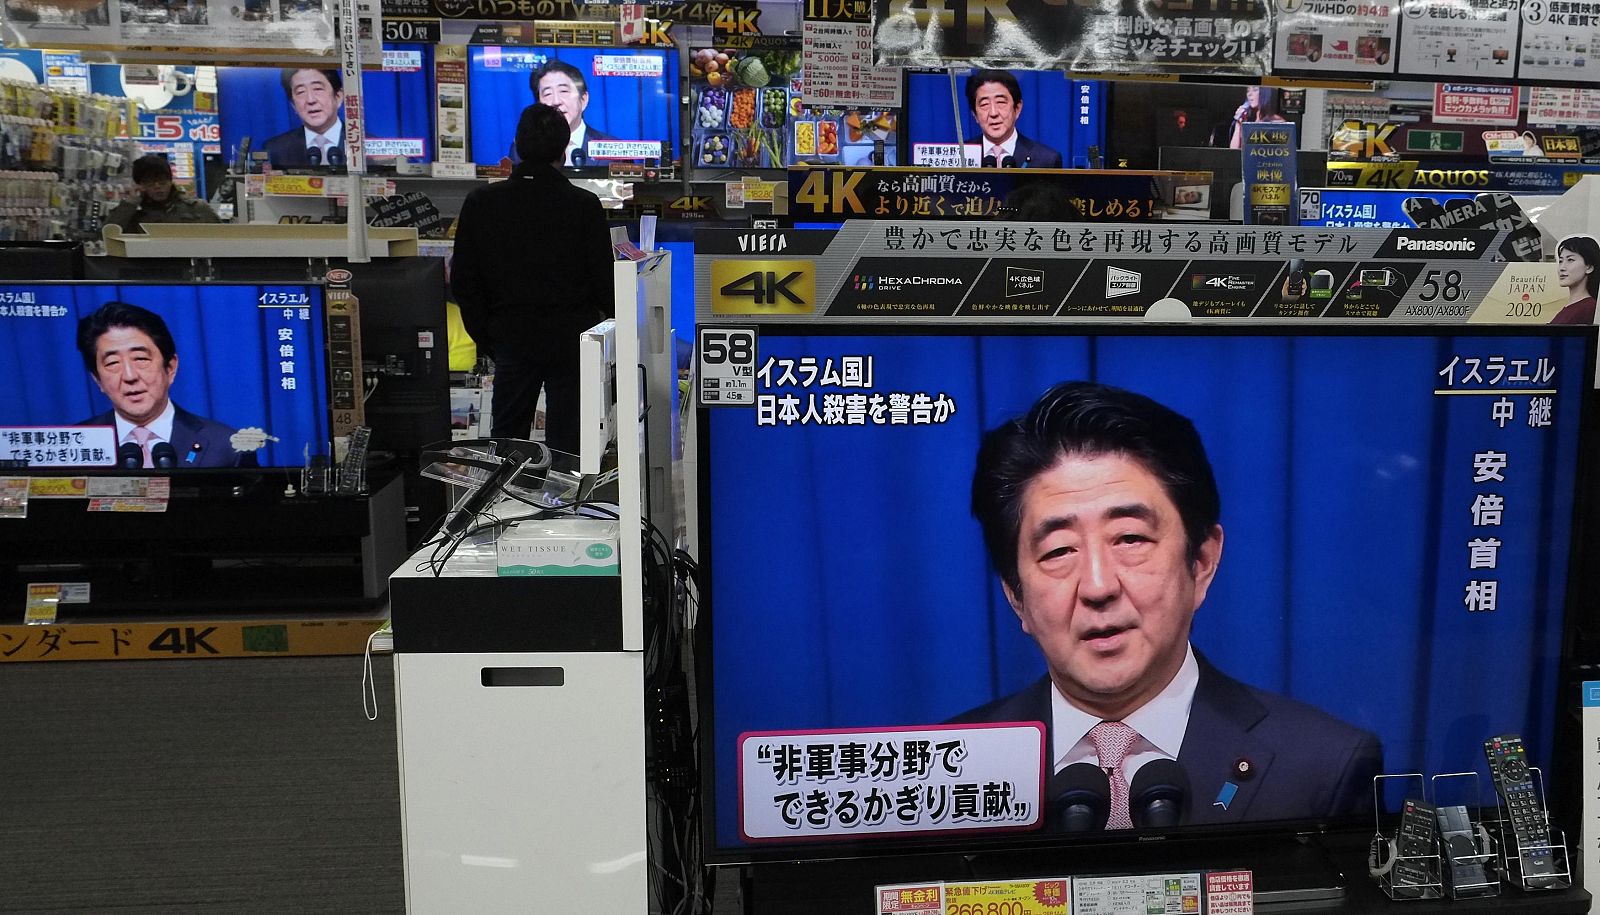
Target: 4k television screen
{"x": 1059, "y": 119}
{"x": 285, "y": 111}
{"x": 621, "y": 103}
{"x": 104, "y": 376}
{"x": 950, "y": 575}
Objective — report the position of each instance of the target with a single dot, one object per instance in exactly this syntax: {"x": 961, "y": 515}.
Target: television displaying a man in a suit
{"x": 995, "y": 100}
{"x": 1101, "y": 514}
{"x": 318, "y": 138}
{"x": 133, "y": 359}
{"x": 563, "y": 87}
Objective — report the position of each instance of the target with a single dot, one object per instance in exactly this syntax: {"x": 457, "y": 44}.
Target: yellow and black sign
{"x": 1557, "y": 147}
{"x": 152, "y": 641}
{"x": 1371, "y": 174}
{"x": 763, "y": 287}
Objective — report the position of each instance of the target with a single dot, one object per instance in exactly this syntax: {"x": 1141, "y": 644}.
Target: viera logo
{"x": 763, "y": 243}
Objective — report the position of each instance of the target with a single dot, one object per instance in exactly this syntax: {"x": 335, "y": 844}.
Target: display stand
{"x": 1411, "y": 869}
{"x": 1513, "y": 852}
{"x": 520, "y": 700}
{"x": 1470, "y": 854}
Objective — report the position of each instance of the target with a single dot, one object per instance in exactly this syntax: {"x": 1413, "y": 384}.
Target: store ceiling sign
{"x": 1117, "y": 36}
{"x": 1458, "y": 103}
{"x": 1120, "y": 195}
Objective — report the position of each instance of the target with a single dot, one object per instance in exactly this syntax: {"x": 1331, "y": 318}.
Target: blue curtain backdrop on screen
{"x": 858, "y": 593}
{"x": 399, "y": 105}
{"x": 230, "y": 360}
{"x": 624, "y": 107}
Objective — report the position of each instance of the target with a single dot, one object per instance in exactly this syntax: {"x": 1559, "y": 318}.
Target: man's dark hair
{"x": 1588, "y": 250}
{"x": 542, "y": 134}
{"x": 286, "y": 76}
{"x": 1003, "y": 77}
{"x": 121, "y": 314}
{"x": 153, "y": 167}
{"x": 1088, "y": 419}
{"x": 557, "y": 66}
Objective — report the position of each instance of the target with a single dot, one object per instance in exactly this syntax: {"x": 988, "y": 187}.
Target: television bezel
{"x": 1586, "y": 506}
{"x": 196, "y": 472}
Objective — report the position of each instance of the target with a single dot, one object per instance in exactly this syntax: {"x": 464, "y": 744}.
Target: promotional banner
{"x": 1355, "y": 38}
{"x": 980, "y": 271}
{"x": 837, "y": 58}
{"x": 1120, "y": 195}
{"x": 1125, "y": 36}
{"x": 1270, "y": 195}
{"x": 1459, "y": 38}
{"x": 1555, "y": 107}
{"x": 200, "y": 29}
{"x": 1458, "y": 103}
{"x": 1557, "y": 41}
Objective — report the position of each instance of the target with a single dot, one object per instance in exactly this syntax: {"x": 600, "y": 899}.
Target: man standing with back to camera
{"x": 532, "y": 271}
{"x": 1101, "y": 514}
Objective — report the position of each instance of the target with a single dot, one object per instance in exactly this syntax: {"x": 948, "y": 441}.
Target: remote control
{"x": 1416, "y": 854}
{"x": 352, "y": 473}
{"x": 1467, "y": 870}
{"x": 1508, "y": 768}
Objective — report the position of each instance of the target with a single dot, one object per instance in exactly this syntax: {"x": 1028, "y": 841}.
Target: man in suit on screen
{"x": 563, "y": 87}
{"x": 318, "y": 98}
{"x": 995, "y": 98}
{"x": 1101, "y": 514}
{"x": 132, "y": 358}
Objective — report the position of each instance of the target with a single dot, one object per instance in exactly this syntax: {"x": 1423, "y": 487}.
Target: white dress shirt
{"x": 1007, "y": 147}
{"x": 1161, "y": 724}
{"x": 160, "y": 427}
{"x": 332, "y": 139}
{"x": 576, "y": 141}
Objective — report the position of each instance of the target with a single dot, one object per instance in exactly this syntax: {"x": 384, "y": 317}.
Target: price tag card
{"x": 1022, "y": 897}
{"x": 39, "y": 608}
{"x": 129, "y": 494}
{"x": 58, "y": 487}
{"x": 911, "y": 899}
{"x": 13, "y": 497}
{"x": 1142, "y": 894}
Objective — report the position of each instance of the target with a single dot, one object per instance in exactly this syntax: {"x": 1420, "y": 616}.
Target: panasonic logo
{"x": 1406, "y": 243}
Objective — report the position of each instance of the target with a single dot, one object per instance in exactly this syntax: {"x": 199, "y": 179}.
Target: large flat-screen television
{"x": 623, "y": 101}
{"x": 285, "y": 111}
{"x": 168, "y": 376}
{"x": 934, "y": 563}
{"x": 1059, "y": 120}
{"x": 748, "y": 113}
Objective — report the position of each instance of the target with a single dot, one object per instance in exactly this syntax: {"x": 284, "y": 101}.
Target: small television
{"x": 1061, "y": 115}
{"x": 1396, "y": 508}
{"x": 747, "y": 113}
{"x": 223, "y": 375}
{"x": 624, "y": 100}
{"x": 255, "y": 102}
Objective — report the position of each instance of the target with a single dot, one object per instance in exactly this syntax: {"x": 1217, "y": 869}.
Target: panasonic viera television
{"x": 936, "y": 559}
{"x": 167, "y": 377}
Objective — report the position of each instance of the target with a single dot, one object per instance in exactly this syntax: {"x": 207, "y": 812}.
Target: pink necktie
{"x": 143, "y": 437}
{"x": 1111, "y": 742}
{"x": 997, "y": 152}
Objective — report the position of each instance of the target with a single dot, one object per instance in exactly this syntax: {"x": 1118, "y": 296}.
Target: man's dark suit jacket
{"x": 532, "y": 266}
{"x": 288, "y": 149}
{"x": 193, "y": 434}
{"x": 1033, "y": 154}
{"x": 1304, "y": 763}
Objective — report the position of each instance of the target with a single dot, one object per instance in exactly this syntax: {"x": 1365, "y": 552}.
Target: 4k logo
{"x": 743, "y": 287}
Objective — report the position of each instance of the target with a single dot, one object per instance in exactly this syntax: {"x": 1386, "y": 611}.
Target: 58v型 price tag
{"x": 727, "y": 357}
